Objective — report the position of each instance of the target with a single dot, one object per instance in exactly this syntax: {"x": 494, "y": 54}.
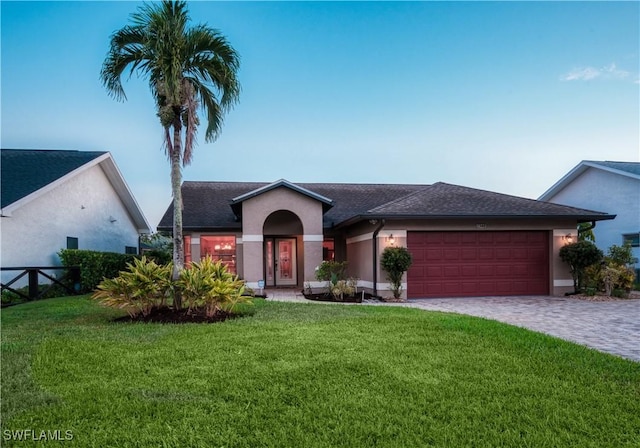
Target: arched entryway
{"x": 283, "y": 249}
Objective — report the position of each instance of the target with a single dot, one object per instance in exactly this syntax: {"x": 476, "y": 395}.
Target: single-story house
{"x": 55, "y": 199}
{"x": 464, "y": 241}
{"x": 614, "y": 186}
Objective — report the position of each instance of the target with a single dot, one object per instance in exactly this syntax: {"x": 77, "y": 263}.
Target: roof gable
{"x": 28, "y": 174}
{"x": 282, "y": 183}
{"x": 24, "y": 172}
{"x": 626, "y": 169}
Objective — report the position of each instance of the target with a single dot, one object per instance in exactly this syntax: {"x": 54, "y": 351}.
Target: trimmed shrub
{"x": 395, "y": 261}
{"x": 579, "y": 256}
{"x": 331, "y": 271}
{"x": 95, "y": 266}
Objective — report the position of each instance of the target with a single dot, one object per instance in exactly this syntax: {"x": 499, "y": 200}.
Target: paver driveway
{"x": 611, "y": 327}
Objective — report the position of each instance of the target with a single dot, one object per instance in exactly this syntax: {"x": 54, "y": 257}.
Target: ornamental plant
{"x": 144, "y": 286}
{"x": 209, "y": 284}
{"x": 395, "y": 261}
{"x": 579, "y": 256}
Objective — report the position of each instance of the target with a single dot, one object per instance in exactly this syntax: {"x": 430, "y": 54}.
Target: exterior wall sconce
{"x": 568, "y": 238}
{"x": 392, "y": 240}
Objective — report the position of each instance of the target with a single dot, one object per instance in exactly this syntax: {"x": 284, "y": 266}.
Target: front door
{"x": 280, "y": 262}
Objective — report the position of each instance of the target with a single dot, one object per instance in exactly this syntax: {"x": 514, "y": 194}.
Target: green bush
{"x": 343, "y": 288}
{"x": 144, "y": 286}
{"x": 612, "y": 275}
{"x": 396, "y": 261}
{"x": 95, "y": 266}
{"x": 621, "y": 255}
{"x": 208, "y": 284}
{"x": 579, "y": 256}
{"x": 331, "y": 271}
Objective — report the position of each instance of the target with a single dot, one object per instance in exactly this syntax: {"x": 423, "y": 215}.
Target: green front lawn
{"x": 305, "y": 375}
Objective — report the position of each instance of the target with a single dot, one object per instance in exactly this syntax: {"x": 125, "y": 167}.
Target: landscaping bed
{"x": 169, "y": 315}
{"x": 603, "y": 298}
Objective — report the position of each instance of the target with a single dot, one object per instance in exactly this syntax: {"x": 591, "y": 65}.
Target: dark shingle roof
{"x": 25, "y": 171}
{"x": 445, "y": 200}
{"x": 207, "y": 204}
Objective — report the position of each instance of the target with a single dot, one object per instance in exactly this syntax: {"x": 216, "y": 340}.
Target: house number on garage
{"x": 481, "y": 226}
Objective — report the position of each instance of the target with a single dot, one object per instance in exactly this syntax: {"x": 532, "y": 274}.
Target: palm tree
{"x": 188, "y": 68}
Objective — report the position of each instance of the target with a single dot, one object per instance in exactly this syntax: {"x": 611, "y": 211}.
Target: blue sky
{"x": 502, "y": 96}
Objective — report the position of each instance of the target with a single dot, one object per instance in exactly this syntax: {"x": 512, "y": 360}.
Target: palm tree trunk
{"x": 176, "y": 189}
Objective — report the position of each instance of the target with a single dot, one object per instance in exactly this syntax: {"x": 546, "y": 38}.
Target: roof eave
{"x": 396, "y": 217}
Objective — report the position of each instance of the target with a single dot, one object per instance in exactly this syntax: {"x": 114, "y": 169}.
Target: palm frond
{"x": 126, "y": 50}
{"x": 188, "y": 68}
{"x": 212, "y": 108}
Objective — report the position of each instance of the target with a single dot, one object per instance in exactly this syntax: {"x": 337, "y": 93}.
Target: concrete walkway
{"x": 610, "y": 327}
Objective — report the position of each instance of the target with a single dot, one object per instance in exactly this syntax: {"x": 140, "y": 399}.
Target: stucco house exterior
{"x": 604, "y": 185}
{"x": 55, "y": 199}
{"x": 464, "y": 241}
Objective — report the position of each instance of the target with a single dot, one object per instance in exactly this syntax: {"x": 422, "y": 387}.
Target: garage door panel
{"x": 451, "y": 254}
{"x": 433, "y": 254}
{"x": 469, "y": 271}
{"x": 468, "y": 254}
{"x": 486, "y": 254}
{"x": 485, "y": 270}
{"x": 451, "y": 264}
{"x": 452, "y": 271}
{"x": 503, "y": 254}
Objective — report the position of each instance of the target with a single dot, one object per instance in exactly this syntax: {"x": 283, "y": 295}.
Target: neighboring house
{"x": 611, "y": 186}
{"x": 464, "y": 242}
{"x": 54, "y": 200}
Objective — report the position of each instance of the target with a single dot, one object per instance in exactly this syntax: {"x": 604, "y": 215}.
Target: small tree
{"x": 395, "y": 261}
{"x": 579, "y": 256}
{"x": 621, "y": 255}
{"x": 585, "y": 232}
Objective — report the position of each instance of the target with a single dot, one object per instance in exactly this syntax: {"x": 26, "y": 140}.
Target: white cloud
{"x": 610, "y": 71}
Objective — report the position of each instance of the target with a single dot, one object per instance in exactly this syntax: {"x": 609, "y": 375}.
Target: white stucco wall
{"x": 612, "y": 193}
{"x": 81, "y": 207}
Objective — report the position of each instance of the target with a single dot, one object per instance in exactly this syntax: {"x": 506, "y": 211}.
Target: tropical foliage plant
{"x": 331, "y": 271}
{"x": 395, "y": 261}
{"x": 145, "y": 285}
{"x": 210, "y": 285}
{"x": 335, "y": 274}
{"x": 189, "y": 68}
{"x": 614, "y": 275}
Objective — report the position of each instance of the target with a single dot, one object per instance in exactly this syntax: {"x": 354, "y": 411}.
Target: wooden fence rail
{"x": 34, "y": 272}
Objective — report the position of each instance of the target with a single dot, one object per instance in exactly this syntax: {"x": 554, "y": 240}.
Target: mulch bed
{"x": 171, "y": 316}
{"x": 324, "y": 297}
{"x": 603, "y": 298}
{"x": 358, "y": 298}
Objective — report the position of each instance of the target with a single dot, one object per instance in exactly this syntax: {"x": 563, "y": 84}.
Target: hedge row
{"x": 95, "y": 266}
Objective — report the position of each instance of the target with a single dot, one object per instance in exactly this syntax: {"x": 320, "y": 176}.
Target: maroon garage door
{"x": 468, "y": 264}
